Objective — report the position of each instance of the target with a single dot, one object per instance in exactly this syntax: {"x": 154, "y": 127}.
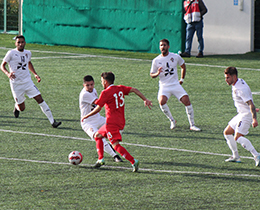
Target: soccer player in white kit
{"x": 165, "y": 66}
{"x": 87, "y": 98}
{"x": 240, "y": 124}
{"x": 19, "y": 61}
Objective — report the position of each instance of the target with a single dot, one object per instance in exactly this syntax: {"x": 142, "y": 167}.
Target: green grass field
{"x": 179, "y": 169}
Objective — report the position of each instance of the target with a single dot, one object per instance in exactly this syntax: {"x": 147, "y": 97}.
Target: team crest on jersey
{"x": 26, "y": 55}
{"x": 172, "y": 59}
{"x": 22, "y": 59}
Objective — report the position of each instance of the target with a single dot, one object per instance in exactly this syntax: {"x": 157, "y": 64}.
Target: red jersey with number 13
{"x": 114, "y": 101}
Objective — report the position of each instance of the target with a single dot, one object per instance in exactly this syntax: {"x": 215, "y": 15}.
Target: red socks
{"x": 100, "y": 148}
{"x": 123, "y": 152}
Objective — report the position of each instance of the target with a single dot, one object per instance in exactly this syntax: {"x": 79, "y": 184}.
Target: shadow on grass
{"x": 19, "y": 122}
{"x": 227, "y": 166}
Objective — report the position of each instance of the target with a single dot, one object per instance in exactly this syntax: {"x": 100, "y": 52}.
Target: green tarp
{"x": 135, "y": 25}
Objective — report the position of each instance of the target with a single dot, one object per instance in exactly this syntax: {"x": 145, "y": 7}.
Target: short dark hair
{"x": 108, "y": 76}
{"x": 88, "y": 78}
{"x": 20, "y": 37}
{"x": 165, "y": 40}
{"x": 231, "y": 71}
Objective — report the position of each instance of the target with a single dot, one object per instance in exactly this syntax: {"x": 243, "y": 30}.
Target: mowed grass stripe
{"x": 78, "y": 55}
{"x": 140, "y": 169}
{"x": 130, "y": 144}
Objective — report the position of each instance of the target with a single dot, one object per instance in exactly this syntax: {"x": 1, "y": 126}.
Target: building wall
{"x": 227, "y": 29}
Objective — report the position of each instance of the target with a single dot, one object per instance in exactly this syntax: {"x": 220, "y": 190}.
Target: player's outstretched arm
{"x": 93, "y": 112}
{"x": 147, "y": 102}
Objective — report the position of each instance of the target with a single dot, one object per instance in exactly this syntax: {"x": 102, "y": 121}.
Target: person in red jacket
{"x": 194, "y": 11}
{"x": 113, "y": 98}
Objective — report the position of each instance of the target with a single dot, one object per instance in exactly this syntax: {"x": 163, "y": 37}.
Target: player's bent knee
{"x": 115, "y": 143}
{"x": 97, "y": 135}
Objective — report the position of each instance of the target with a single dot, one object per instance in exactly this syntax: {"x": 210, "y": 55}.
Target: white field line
{"x": 77, "y": 55}
{"x": 130, "y": 144}
{"x": 140, "y": 169}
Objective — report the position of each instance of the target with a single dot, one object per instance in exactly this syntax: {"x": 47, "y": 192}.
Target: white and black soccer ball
{"x": 75, "y": 157}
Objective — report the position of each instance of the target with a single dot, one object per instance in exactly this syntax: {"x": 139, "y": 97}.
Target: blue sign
{"x": 235, "y": 2}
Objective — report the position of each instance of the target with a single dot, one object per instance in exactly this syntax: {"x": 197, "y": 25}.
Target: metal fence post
{"x": 5, "y": 16}
{"x": 20, "y": 17}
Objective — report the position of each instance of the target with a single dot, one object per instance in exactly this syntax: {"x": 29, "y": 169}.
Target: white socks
{"x": 190, "y": 115}
{"x": 165, "y": 109}
{"x": 189, "y": 110}
{"x": 247, "y": 145}
{"x": 107, "y": 148}
{"x": 17, "y": 107}
{"x": 232, "y": 145}
{"x": 46, "y": 110}
{"x": 243, "y": 141}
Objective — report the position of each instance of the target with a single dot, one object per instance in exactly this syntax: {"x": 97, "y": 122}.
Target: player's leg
{"x": 189, "y": 111}
{"x": 162, "y": 99}
{"x": 33, "y": 92}
{"x": 114, "y": 136}
{"x": 99, "y": 145}
{"x": 18, "y": 92}
{"x": 243, "y": 124}
{"x": 99, "y": 135}
{"x": 124, "y": 153}
{"x": 46, "y": 110}
{"x": 249, "y": 147}
{"x": 232, "y": 144}
{"x": 107, "y": 147}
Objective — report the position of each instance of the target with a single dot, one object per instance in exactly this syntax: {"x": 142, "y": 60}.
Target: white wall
{"x": 227, "y": 29}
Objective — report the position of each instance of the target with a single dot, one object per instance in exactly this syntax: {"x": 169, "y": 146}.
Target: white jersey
{"x": 86, "y": 104}
{"x": 241, "y": 93}
{"x": 18, "y": 63}
{"x": 169, "y": 63}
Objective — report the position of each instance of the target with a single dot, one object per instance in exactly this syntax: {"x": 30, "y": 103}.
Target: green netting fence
{"x": 133, "y": 25}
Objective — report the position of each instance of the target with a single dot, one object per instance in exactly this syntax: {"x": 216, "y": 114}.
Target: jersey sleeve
{"x": 8, "y": 56}
{"x": 29, "y": 55}
{"x": 180, "y": 60}
{"x": 245, "y": 95}
{"x": 88, "y": 98}
{"x": 153, "y": 67}
{"x": 126, "y": 89}
{"x": 102, "y": 99}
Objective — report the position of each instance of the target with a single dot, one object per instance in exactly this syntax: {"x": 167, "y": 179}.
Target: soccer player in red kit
{"x": 112, "y": 97}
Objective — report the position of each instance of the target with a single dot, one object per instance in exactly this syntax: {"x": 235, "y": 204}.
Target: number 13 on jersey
{"x": 119, "y": 99}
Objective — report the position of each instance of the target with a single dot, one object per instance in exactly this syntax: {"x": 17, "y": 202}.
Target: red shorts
{"x": 112, "y": 134}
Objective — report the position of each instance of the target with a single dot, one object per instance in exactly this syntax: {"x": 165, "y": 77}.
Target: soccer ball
{"x": 75, "y": 157}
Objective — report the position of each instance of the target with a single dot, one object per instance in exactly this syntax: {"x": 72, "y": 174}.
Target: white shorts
{"x": 92, "y": 127}
{"x": 19, "y": 91}
{"x": 241, "y": 123}
{"x": 176, "y": 90}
